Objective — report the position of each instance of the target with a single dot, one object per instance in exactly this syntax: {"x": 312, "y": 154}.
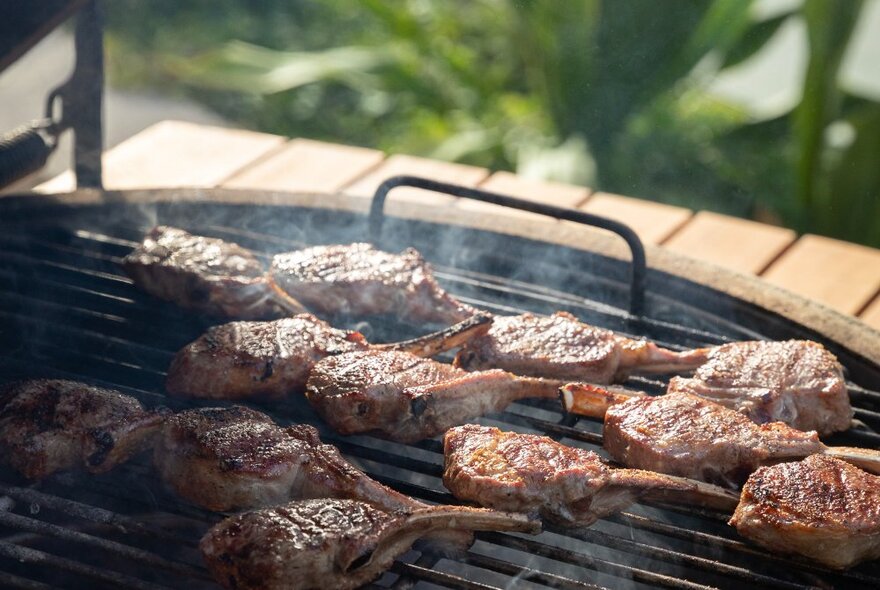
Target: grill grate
{"x": 67, "y": 311}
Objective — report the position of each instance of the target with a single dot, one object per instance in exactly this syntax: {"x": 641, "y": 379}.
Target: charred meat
{"x": 406, "y": 398}
{"x": 205, "y": 274}
{"x": 562, "y": 347}
{"x": 822, "y": 508}
{"x": 797, "y": 382}
{"x": 682, "y": 434}
{"x": 242, "y": 360}
{"x": 685, "y": 435}
{"x": 235, "y": 458}
{"x": 566, "y": 485}
{"x": 49, "y": 425}
{"x": 357, "y": 280}
{"x": 322, "y": 544}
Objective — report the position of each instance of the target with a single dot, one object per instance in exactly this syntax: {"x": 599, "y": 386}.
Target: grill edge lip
{"x": 846, "y": 331}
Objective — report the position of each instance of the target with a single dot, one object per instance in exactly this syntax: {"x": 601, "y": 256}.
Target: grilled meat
{"x": 235, "y": 458}
{"x": 321, "y": 544}
{"x": 685, "y": 435}
{"x": 205, "y": 274}
{"x": 822, "y": 508}
{"x": 562, "y": 347}
{"x": 49, "y": 425}
{"x": 570, "y": 486}
{"x": 406, "y": 398}
{"x": 242, "y": 360}
{"x": 357, "y": 279}
{"x": 682, "y": 434}
{"x": 797, "y": 382}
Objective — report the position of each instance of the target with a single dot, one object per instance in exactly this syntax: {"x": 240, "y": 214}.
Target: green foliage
{"x": 609, "y": 93}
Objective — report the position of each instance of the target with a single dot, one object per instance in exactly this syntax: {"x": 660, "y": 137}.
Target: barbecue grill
{"x": 66, "y": 310}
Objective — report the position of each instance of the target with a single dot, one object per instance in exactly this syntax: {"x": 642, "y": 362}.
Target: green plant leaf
{"x": 249, "y": 68}
{"x": 752, "y": 40}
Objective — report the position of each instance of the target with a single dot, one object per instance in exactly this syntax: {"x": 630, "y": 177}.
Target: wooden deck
{"x": 841, "y": 275}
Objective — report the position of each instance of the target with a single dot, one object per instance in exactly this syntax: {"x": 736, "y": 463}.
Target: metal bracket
{"x": 81, "y": 98}
{"x": 638, "y": 269}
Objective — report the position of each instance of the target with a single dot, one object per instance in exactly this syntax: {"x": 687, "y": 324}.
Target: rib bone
{"x": 689, "y": 436}
{"x": 340, "y": 544}
{"x": 406, "y": 398}
{"x": 571, "y": 486}
{"x": 272, "y": 360}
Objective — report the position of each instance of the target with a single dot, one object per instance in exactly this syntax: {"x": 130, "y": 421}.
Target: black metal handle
{"x": 23, "y": 151}
{"x": 638, "y": 269}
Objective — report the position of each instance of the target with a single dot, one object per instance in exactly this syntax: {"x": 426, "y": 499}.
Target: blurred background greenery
{"x": 616, "y": 95}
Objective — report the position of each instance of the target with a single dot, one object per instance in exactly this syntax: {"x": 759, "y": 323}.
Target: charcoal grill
{"x": 67, "y": 311}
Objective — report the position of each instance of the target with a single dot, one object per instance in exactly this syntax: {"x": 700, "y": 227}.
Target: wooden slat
{"x": 551, "y": 193}
{"x": 839, "y": 274}
{"x": 433, "y": 169}
{"x": 308, "y": 166}
{"x": 871, "y": 315}
{"x": 737, "y": 244}
{"x": 176, "y": 154}
{"x": 653, "y": 222}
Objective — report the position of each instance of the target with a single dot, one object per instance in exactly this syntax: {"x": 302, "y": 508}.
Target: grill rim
{"x": 845, "y": 331}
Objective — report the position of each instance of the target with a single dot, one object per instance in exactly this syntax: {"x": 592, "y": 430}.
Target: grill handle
{"x": 23, "y": 150}
{"x": 638, "y": 269}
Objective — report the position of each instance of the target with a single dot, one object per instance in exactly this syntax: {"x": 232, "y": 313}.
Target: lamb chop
{"x": 49, "y": 425}
{"x": 236, "y": 458}
{"x": 206, "y": 274}
{"x": 339, "y": 544}
{"x": 685, "y": 435}
{"x": 403, "y": 397}
{"x": 796, "y": 381}
{"x": 822, "y": 508}
{"x": 242, "y": 360}
{"x": 569, "y": 486}
{"x": 562, "y": 347}
{"x": 357, "y": 279}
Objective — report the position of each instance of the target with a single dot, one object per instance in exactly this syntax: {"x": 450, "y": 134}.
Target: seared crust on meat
{"x": 822, "y": 508}
{"x": 48, "y": 425}
{"x": 235, "y": 458}
{"x": 685, "y": 435}
{"x": 797, "y": 382}
{"x": 338, "y": 544}
{"x": 406, "y": 398}
{"x": 357, "y": 279}
{"x": 557, "y": 345}
{"x": 562, "y": 347}
{"x": 309, "y": 544}
{"x": 270, "y": 360}
{"x": 537, "y": 475}
{"x": 204, "y": 274}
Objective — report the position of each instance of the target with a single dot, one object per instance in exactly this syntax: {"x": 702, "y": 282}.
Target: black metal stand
{"x": 638, "y": 270}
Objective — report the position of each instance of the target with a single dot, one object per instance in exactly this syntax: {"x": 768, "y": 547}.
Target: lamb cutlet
{"x": 205, "y": 274}
{"x": 562, "y": 347}
{"x": 236, "y": 458}
{"x": 797, "y": 382}
{"x": 689, "y": 436}
{"x": 339, "y": 544}
{"x": 357, "y": 279}
{"x": 566, "y": 485}
{"x": 406, "y": 398}
{"x": 243, "y": 360}
{"x": 822, "y": 508}
{"x": 49, "y": 425}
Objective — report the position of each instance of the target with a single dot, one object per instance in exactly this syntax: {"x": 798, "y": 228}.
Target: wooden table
{"x": 843, "y": 276}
